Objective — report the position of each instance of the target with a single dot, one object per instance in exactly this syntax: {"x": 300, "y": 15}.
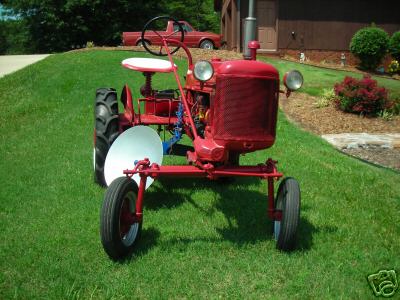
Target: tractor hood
{"x": 251, "y": 68}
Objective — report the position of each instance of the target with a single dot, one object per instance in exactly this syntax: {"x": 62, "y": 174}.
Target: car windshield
{"x": 185, "y": 27}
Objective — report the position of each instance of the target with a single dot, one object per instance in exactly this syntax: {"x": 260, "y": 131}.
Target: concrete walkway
{"x": 363, "y": 140}
{"x": 12, "y": 63}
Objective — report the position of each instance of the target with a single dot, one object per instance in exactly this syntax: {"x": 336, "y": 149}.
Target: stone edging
{"x": 363, "y": 140}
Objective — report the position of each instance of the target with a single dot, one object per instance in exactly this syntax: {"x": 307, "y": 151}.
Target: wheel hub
{"x": 128, "y": 228}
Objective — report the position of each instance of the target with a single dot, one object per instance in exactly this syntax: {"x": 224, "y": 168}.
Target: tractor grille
{"x": 245, "y": 108}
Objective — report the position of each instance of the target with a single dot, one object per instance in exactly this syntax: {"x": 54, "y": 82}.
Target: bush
{"x": 395, "y": 109}
{"x": 89, "y": 44}
{"x": 328, "y": 95}
{"x": 386, "y": 115}
{"x": 393, "y": 67}
{"x": 394, "y": 45}
{"x": 362, "y": 96}
{"x": 370, "y": 45}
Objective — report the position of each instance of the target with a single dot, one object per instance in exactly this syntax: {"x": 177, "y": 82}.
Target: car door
{"x": 191, "y": 39}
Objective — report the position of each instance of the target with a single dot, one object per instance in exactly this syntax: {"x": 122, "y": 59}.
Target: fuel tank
{"x": 245, "y": 68}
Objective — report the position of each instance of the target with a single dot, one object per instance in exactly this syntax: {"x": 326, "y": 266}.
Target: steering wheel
{"x": 156, "y": 24}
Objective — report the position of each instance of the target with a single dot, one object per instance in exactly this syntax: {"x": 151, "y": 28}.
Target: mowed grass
{"x": 316, "y": 79}
{"x": 200, "y": 239}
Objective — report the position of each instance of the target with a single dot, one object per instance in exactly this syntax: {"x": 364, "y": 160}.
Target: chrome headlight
{"x": 293, "y": 80}
{"x": 203, "y": 70}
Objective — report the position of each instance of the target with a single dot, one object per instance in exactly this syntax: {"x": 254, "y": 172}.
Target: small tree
{"x": 394, "y": 45}
{"x": 370, "y": 45}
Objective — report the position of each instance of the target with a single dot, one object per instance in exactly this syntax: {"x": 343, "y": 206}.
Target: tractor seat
{"x": 148, "y": 64}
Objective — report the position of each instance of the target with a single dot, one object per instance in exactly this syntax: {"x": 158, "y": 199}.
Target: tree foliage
{"x": 394, "y": 45}
{"x": 199, "y": 13}
{"x": 57, "y": 25}
{"x": 14, "y": 37}
{"x": 3, "y": 37}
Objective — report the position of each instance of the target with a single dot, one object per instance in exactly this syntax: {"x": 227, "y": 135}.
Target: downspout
{"x": 249, "y": 30}
{"x": 238, "y": 24}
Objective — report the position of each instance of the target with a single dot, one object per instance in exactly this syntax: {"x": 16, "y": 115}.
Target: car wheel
{"x": 207, "y": 44}
{"x": 140, "y": 43}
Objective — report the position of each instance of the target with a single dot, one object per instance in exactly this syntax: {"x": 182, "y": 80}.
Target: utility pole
{"x": 249, "y": 30}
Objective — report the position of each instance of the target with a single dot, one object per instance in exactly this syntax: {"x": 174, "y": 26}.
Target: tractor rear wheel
{"x": 119, "y": 232}
{"x": 106, "y": 129}
{"x": 288, "y": 202}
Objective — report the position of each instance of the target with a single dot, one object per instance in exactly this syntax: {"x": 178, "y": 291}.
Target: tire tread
{"x": 109, "y": 218}
{"x": 106, "y": 128}
{"x": 290, "y": 214}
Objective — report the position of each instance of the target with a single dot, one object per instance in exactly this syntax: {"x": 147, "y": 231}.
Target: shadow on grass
{"x": 239, "y": 236}
{"x": 306, "y": 232}
{"x": 147, "y": 241}
{"x": 245, "y": 210}
{"x": 170, "y": 192}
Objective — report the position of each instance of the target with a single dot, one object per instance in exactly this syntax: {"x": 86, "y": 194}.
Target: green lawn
{"x": 200, "y": 239}
{"x": 316, "y": 79}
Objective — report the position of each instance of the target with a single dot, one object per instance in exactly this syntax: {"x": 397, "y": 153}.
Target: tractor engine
{"x": 239, "y": 113}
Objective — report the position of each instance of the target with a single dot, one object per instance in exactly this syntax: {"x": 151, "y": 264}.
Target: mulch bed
{"x": 197, "y": 53}
{"x": 338, "y": 67}
{"x": 301, "y": 109}
{"x": 379, "y": 156}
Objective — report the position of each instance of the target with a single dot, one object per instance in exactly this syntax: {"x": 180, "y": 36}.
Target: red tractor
{"x": 227, "y": 108}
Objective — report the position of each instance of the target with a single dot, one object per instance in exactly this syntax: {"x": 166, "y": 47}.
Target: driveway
{"x": 12, "y": 63}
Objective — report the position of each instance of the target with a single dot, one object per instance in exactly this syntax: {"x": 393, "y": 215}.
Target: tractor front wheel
{"x": 288, "y": 202}
{"x": 118, "y": 229}
{"x": 106, "y": 129}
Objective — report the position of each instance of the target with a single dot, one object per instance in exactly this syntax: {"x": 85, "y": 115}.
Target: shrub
{"x": 386, "y": 115}
{"x": 393, "y": 67}
{"x": 395, "y": 109}
{"x": 394, "y": 45}
{"x": 362, "y": 96}
{"x": 89, "y": 44}
{"x": 328, "y": 95}
{"x": 370, "y": 45}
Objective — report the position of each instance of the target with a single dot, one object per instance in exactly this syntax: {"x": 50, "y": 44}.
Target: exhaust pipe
{"x": 249, "y": 30}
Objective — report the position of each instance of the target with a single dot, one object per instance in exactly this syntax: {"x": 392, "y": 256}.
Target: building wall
{"x": 230, "y": 16}
{"x": 317, "y": 24}
{"x": 330, "y": 25}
